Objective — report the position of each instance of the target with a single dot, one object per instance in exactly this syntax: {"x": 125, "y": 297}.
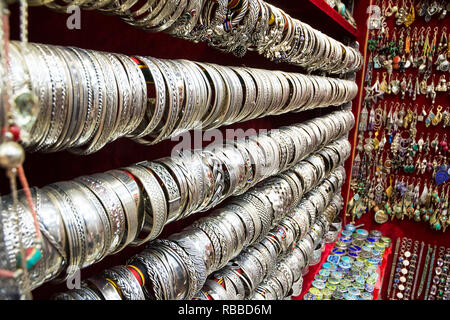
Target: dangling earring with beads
{"x": 443, "y": 144}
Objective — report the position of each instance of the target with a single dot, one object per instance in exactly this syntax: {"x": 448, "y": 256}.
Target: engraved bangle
{"x": 169, "y": 185}
{"x": 155, "y": 206}
{"x": 75, "y": 228}
{"x": 130, "y": 288}
{"x": 105, "y": 287}
{"x": 112, "y": 205}
{"x": 128, "y": 204}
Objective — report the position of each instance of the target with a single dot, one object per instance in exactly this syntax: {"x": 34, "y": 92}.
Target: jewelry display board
{"x": 427, "y": 226}
{"x": 110, "y": 34}
{"x": 397, "y": 174}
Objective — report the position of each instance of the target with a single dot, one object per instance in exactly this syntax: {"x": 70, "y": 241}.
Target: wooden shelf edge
{"x": 335, "y": 16}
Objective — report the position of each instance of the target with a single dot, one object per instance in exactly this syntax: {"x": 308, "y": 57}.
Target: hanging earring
{"x": 430, "y": 52}
{"x": 413, "y": 125}
{"x": 385, "y": 116}
{"x": 416, "y": 91}
{"x": 371, "y": 119}
{"x": 420, "y": 8}
{"x": 409, "y": 204}
{"x": 423, "y": 166}
{"x": 356, "y": 167}
{"x": 398, "y": 207}
{"x": 363, "y": 118}
{"x": 401, "y": 15}
{"x": 430, "y": 117}
{"x": 438, "y": 117}
{"x": 428, "y": 203}
{"x": 376, "y": 142}
{"x": 430, "y": 166}
{"x": 443, "y": 144}
{"x": 408, "y": 41}
{"x": 431, "y": 10}
{"x": 446, "y": 118}
{"x": 378, "y": 120}
{"x": 418, "y": 162}
{"x": 368, "y": 147}
{"x": 436, "y": 166}
{"x": 435, "y": 142}
{"x": 417, "y": 201}
{"x": 360, "y": 146}
{"x": 383, "y": 84}
{"x": 410, "y": 87}
{"x": 434, "y": 217}
{"x": 387, "y": 164}
{"x": 424, "y": 195}
{"x": 395, "y": 118}
{"x": 389, "y": 119}
{"x": 420, "y": 142}
{"x": 441, "y": 61}
{"x": 409, "y": 166}
{"x": 422, "y": 114}
{"x": 401, "y": 116}
{"x": 408, "y": 119}
{"x": 395, "y": 85}
{"x": 373, "y": 92}
{"x": 445, "y": 9}
{"x": 430, "y": 90}
{"x": 388, "y": 86}
{"x": 415, "y": 48}
{"x": 401, "y": 42}
{"x": 389, "y": 50}
{"x": 395, "y": 144}
{"x": 422, "y": 36}
{"x": 382, "y": 141}
{"x": 376, "y": 62}
{"x": 411, "y": 16}
{"x": 426, "y": 145}
{"x": 390, "y": 10}
{"x": 403, "y": 87}
{"x": 426, "y": 49}
{"x": 443, "y": 212}
{"x": 423, "y": 85}
{"x": 442, "y": 84}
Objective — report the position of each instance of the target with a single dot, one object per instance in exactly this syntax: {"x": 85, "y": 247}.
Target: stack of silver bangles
{"x": 87, "y": 98}
{"x": 278, "y": 259}
{"x": 297, "y": 259}
{"x": 283, "y": 273}
{"x": 231, "y": 26}
{"x": 177, "y": 267}
{"x": 90, "y": 217}
{"x": 257, "y": 211}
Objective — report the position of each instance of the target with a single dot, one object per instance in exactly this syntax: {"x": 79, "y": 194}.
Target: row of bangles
{"x": 76, "y": 99}
{"x": 231, "y": 26}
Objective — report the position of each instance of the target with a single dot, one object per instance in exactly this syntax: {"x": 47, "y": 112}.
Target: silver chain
{"x": 24, "y": 22}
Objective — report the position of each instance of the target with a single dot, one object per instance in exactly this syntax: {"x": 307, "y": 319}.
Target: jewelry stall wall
{"x": 400, "y": 168}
